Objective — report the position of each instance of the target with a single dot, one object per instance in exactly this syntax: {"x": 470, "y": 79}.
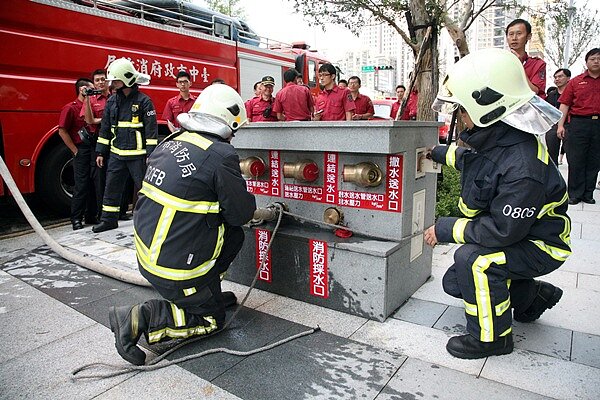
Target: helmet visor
{"x": 536, "y": 116}
{"x": 444, "y": 106}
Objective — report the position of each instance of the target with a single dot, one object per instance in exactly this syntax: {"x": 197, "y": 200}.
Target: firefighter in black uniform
{"x": 187, "y": 224}
{"x": 513, "y": 198}
{"x": 129, "y": 132}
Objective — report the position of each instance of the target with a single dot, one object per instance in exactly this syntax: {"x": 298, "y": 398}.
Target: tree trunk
{"x": 424, "y": 80}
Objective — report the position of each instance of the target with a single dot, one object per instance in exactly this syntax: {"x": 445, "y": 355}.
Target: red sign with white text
{"x": 319, "y": 285}
{"x": 262, "y": 242}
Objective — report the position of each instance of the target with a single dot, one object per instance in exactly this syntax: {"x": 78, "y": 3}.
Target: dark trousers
{"x": 492, "y": 280}
{"x": 117, "y": 172}
{"x": 99, "y": 178}
{"x": 583, "y": 155}
{"x": 195, "y": 310}
{"x": 553, "y": 144}
{"x": 83, "y": 201}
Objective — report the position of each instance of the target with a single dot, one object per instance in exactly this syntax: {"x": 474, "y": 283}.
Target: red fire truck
{"x": 48, "y": 44}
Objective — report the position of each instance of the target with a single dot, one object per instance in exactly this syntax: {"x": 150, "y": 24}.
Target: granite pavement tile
{"x": 420, "y": 312}
{"x": 586, "y": 349}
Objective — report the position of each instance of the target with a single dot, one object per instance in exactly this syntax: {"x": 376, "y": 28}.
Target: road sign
{"x": 367, "y": 68}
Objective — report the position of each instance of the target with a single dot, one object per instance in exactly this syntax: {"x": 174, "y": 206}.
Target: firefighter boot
{"x": 229, "y": 299}
{"x": 105, "y": 226}
{"x": 128, "y": 324}
{"x": 467, "y": 346}
{"x": 547, "y": 297}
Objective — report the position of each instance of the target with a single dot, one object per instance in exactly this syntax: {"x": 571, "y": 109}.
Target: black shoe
{"x": 589, "y": 201}
{"x": 574, "y": 201}
{"x": 547, "y": 297}
{"x": 229, "y": 299}
{"x": 125, "y": 217}
{"x": 124, "y": 322}
{"x": 467, "y": 346}
{"x": 77, "y": 224}
{"x": 105, "y": 226}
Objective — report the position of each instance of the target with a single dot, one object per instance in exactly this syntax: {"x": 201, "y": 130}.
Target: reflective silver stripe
{"x": 157, "y": 336}
{"x": 542, "y": 151}
{"x": 178, "y": 315}
{"x": 470, "y": 309}
{"x": 110, "y": 208}
{"x": 138, "y": 140}
{"x": 152, "y": 142}
{"x": 160, "y": 234}
{"x": 172, "y": 273}
{"x": 468, "y": 212}
{"x": 458, "y": 230}
{"x": 189, "y": 292}
{"x": 502, "y": 307}
{"x": 551, "y": 206}
{"x": 451, "y": 156}
{"x": 128, "y": 124}
{"x": 167, "y": 200}
{"x": 554, "y": 252}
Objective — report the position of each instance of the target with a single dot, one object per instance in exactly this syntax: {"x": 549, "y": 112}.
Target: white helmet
{"x": 218, "y": 110}
{"x": 123, "y": 70}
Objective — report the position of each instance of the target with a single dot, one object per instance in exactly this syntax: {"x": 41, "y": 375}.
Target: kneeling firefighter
{"x": 187, "y": 226}
{"x": 513, "y": 197}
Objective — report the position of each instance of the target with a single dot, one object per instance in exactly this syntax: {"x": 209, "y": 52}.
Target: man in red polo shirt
{"x": 294, "y": 102}
{"x": 363, "y": 105}
{"x": 333, "y": 103}
{"x": 581, "y": 101}
{"x": 182, "y": 103}
{"x": 518, "y": 33}
{"x": 400, "y": 91}
{"x": 70, "y": 122}
{"x": 260, "y": 109}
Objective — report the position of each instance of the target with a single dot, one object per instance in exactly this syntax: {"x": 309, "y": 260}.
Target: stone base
{"x": 366, "y": 277}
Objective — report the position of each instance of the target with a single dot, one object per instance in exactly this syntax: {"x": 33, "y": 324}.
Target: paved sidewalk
{"x": 54, "y": 319}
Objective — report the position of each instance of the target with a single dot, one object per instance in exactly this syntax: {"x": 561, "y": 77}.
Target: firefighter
{"x": 513, "y": 197}
{"x": 187, "y": 224}
{"x": 129, "y": 132}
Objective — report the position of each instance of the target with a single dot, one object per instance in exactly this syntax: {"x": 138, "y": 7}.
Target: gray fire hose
{"x": 92, "y": 265}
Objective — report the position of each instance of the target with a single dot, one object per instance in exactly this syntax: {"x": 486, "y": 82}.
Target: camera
{"x": 267, "y": 112}
{"x": 91, "y": 92}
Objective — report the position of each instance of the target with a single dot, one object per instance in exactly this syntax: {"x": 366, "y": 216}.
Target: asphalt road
{"x": 13, "y": 222}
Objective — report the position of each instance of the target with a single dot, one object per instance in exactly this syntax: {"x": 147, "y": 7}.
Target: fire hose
{"x": 92, "y": 265}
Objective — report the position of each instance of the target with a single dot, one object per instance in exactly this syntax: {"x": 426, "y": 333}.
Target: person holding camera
{"x": 72, "y": 130}
{"x": 260, "y": 109}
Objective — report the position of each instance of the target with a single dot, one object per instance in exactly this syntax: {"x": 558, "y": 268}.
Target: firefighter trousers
{"x": 492, "y": 280}
{"x": 117, "y": 172}
{"x": 195, "y": 310}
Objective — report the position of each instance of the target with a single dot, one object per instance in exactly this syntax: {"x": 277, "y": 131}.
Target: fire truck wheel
{"x": 55, "y": 179}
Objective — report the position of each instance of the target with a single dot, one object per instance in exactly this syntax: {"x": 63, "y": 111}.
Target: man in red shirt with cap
{"x": 182, "y": 103}
{"x": 260, "y": 109}
{"x": 294, "y": 102}
{"x": 518, "y": 33}
{"x": 364, "y": 106}
{"x": 333, "y": 103}
{"x": 581, "y": 101}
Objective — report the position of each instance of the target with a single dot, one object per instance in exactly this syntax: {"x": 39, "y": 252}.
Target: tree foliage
{"x": 233, "y": 8}
{"x": 553, "y": 21}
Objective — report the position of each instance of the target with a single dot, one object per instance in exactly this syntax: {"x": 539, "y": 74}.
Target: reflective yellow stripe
{"x": 167, "y": 200}
{"x": 104, "y": 141}
{"x": 451, "y": 156}
{"x": 110, "y": 208}
{"x": 194, "y": 139}
{"x": 468, "y": 212}
{"x": 120, "y": 152}
{"x": 506, "y": 332}
{"x": 152, "y": 142}
{"x": 178, "y": 315}
{"x": 458, "y": 230}
{"x": 542, "y": 150}
{"x": 128, "y": 124}
{"x": 139, "y": 144}
{"x": 173, "y": 274}
{"x": 189, "y": 292}
{"x": 157, "y": 336}
{"x": 502, "y": 307}
{"x": 482, "y": 293}
{"x": 550, "y": 210}
{"x": 470, "y": 309}
{"x": 554, "y": 252}
{"x": 160, "y": 234}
